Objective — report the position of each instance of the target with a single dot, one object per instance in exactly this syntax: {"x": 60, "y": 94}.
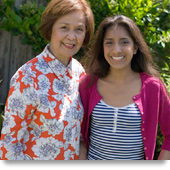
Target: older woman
{"x": 43, "y": 111}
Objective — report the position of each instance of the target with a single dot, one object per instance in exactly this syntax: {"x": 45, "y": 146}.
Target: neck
{"x": 121, "y": 76}
{"x": 64, "y": 60}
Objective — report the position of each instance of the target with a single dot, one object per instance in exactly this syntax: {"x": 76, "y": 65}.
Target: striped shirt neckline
{"x": 115, "y": 133}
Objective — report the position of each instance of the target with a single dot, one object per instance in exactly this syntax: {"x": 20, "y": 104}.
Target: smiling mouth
{"x": 117, "y": 58}
{"x": 69, "y": 46}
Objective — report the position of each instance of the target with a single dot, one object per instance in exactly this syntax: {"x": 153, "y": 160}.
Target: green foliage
{"x": 165, "y": 72}
{"x": 150, "y": 15}
{"x": 24, "y": 21}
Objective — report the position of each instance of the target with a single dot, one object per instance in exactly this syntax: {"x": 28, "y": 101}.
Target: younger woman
{"x": 123, "y": 96}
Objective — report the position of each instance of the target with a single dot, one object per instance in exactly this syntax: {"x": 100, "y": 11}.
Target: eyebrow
{"x": 124, "y": 38}
{"x": 65, "y": 23}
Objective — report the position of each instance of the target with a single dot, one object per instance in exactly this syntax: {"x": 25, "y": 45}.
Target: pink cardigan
{"x": 152, "y": 101}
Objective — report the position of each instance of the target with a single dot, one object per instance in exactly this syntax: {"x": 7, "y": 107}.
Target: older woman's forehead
{"x": 76, "y": 18}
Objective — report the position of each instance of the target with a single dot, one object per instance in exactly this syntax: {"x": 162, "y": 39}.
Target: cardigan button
{"x": 144, "y": 138}
{"x": 143, "y": 129}
{"x": 145, "y": 148}
{"x": 147, "y": 158}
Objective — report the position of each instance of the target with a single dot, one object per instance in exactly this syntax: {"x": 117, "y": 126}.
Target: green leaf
{"x": 18, "y": 19}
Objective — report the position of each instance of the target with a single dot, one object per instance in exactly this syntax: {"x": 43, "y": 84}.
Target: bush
{"x": 24, "y": 21}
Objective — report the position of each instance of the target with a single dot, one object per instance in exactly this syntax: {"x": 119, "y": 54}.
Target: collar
{"x": 57, "y": 67}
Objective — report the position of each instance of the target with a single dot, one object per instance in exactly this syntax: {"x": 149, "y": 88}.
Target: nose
{"x": 117, "y": 48}
{"x": 71, "y": 35}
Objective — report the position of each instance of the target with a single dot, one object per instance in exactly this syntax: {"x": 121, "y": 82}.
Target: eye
{"x": 64, "y": 28}
{"x": 108, "y": 42}
{"x": 124, "y": 42}
{"x": 80, "y": 29}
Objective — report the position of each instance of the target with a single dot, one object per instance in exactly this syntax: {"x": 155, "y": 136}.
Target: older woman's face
{"x": 68, "y": 34}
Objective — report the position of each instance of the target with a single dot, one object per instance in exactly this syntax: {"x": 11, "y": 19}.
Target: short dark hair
{"x": 57, "y": 8}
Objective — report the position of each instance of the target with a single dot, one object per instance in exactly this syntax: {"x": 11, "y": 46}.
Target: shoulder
{"x": 30, "y": 64}
{"x": 25, "y": 73}
{"x": 151, "y": 80}
{"x": 86, "y": 89}
{"x": 29, "y": 68}
{"x": 87, "y": 82}
{"x": 153, "y": 84}
{"x": 77, "y": 64}
{"x": 77, "y": 67}
{"x": 84, "y": 81}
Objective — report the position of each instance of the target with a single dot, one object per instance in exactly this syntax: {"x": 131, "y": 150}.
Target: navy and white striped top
{"x": 115, "y": 133}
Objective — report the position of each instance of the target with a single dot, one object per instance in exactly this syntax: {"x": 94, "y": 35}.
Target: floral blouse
{"x": 43, "y": 112}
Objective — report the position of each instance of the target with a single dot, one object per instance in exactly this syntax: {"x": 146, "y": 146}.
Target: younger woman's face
{"x": 119, "y": 48}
